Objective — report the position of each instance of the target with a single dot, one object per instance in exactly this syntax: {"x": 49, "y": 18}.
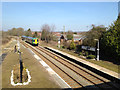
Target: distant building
{"x": 57, "y": 35}
{"x": 78, "y": 38}
{"x": 39, "y": 34}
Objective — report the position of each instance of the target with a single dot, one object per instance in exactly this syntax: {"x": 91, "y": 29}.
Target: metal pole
{"x": 20, "y": 67}
{"x": 20, "y": 60}
{"x": 98, "y": 51}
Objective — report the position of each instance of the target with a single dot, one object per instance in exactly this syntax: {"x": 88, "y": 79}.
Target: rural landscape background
{"x": 77, "y": 28}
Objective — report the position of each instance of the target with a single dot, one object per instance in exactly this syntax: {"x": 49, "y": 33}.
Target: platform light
{"x": 97, "y": 49}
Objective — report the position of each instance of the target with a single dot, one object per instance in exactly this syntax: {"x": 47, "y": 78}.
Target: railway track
{"x": 73, "y": 79}
{"x": 65, "y": 76}
{"x": 96, "y": 80}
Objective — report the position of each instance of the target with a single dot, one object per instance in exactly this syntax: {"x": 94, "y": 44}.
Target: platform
{"x": 102, "y": 69}
{"x": 40, "y": 78}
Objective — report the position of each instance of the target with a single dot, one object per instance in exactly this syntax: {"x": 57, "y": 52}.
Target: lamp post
{"x": 97, "y": 49}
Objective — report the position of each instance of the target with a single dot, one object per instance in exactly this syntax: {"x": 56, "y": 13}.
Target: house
{"x": 57, "y": 35}
{"x": 38, "y": 33}
{"x": 78, "y": 39}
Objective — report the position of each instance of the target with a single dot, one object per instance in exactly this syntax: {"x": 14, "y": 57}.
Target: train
{"x": 31, "y": 40}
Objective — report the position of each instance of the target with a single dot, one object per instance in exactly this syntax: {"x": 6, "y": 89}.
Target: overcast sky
{"x": 77, "y": 16}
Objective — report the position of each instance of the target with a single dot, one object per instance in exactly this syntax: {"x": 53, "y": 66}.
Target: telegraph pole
{"x": 64, "y": 29}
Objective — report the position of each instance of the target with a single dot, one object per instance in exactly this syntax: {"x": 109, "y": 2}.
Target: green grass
{"x": 105, "y": 64}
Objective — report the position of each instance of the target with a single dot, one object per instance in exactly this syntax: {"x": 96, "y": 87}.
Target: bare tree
{"x": 16, "y": 31}
{"x": 52, "y": 28}
{"x": 20, "y": 31}
{"x": 47, "y": 32}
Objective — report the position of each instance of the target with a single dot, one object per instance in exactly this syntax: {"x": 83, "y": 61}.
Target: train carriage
{"x": 23, "y": 37}
{"x": 31, "y": 40}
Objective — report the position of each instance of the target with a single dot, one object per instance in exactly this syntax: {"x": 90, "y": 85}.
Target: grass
{"x": 5, "y": 40}
{"x": 105, "y": 64}
{"x": 9, "y": 45}
{"x": 16, "y": 73}
{"x": 40, "y": 77}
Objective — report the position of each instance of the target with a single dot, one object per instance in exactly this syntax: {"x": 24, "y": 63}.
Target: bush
{"x": 62, "y": 47}
{"x": 72, "y": 45}
{"x": 86, "y": 53}
{"x": 90, "y": 56}
{"x": 83, "y": 52}
{"x": 80, "y": 54}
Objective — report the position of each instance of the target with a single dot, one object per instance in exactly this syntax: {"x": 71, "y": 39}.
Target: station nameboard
{"x": 88, "y": 48}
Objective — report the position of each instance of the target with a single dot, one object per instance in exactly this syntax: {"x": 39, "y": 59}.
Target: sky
{"x": 119, "y": 7}
{"x": 75, "y": 16}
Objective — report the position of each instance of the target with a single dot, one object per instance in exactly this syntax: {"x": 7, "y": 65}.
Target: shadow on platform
{"x": 103, "y": 86}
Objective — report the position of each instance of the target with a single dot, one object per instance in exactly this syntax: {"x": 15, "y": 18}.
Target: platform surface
{"x": 102, "y": 69}
{"x": 40, "y": 78}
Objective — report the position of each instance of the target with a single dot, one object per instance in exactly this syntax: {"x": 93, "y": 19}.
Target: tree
{"x": 95, "y": 33}
{"x": 72, "y": 45}
{"x": 46, "y": 33}
{"x": 20, "y": 31}
{"x": 110, "y": 42}
{"x": 69, "y": 35}
{"x": 75, "y": 32}
{"x": 61, "y": 32}
{"x": 35, "y": 34}
{"x": 52, "y": 28}
{"x": 28, "y": 32}
{"x": 16, "y": 31}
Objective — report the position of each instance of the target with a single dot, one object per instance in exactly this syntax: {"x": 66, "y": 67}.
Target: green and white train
{"x": 31, "y": 40}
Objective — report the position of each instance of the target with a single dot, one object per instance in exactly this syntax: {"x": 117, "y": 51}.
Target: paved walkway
{"x": 107, "y": 71}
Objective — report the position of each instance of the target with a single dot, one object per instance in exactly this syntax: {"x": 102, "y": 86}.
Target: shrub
{"x": 62, "y": 47}
{"x": 80, "y": 53}
{"x": 83, "y": 52}
{"x": 72, "y": 45}
{"x": 86, "y": 53}
{"x": 90, "y": 56}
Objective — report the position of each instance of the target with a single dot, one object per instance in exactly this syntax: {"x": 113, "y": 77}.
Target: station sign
{"x": 88, "y": 48}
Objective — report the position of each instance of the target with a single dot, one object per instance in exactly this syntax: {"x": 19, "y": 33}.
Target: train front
{"x": 35, "y": 41}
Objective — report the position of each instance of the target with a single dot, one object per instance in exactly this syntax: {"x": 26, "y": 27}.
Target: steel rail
{"x": 57, "y": 67}
{"x": 46, "y": 51}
